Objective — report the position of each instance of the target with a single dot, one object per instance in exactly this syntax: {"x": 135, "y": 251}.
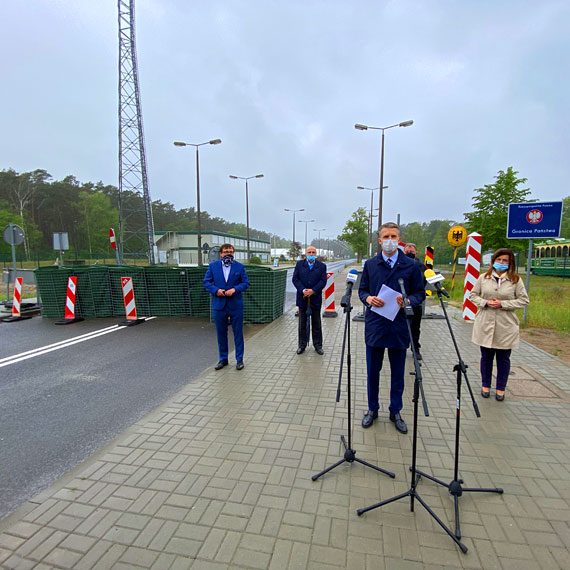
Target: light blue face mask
{"x": 500, "y": 267}
{"x": 311, "y": 258}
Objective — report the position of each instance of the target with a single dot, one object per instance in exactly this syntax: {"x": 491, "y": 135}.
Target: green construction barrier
{"x": 159, "y": 291}
{"x": 51, "y": 284}
{"x": 167, "y": 289}
{"x": 200, "y": 299}
{"x": 137, "y": 274}
{"x": 97, "y": 293}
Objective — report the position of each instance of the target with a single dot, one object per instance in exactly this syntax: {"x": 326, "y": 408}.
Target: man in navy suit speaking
{"x": 381, "y": 333}
{"x": 226, "y": 280}
{"x": 310, "y": 278}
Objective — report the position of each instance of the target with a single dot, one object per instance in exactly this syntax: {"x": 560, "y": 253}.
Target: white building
{"x": 181, "y": 248}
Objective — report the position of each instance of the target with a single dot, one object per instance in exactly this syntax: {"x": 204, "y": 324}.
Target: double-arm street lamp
{"x": 319, "y": 236}
{"x": 246, "y": 178}
{"x": 294, "y": 212}
{"x": 360, "y": 127}
{"x": 306, "y": 222}
{"x": 179, "y": 143}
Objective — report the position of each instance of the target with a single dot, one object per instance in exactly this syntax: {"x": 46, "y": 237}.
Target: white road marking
{"x": 59, "y": 345}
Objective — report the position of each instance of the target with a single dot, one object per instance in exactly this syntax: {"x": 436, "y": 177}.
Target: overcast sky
{"x": 282, "y": 84}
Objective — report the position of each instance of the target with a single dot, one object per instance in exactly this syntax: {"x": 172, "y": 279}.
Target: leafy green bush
{"x": 254, "y": 260}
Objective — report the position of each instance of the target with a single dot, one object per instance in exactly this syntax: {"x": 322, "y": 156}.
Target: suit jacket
{"x": 315, "y": 279}
{"x": 237, "y": 279}
{"x": 379, "y": 331}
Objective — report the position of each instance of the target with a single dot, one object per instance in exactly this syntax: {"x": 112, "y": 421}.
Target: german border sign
{"x": 534, "y": 220}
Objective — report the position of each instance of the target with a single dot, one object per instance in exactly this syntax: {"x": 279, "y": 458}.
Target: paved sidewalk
{"x": 220, "y": 476}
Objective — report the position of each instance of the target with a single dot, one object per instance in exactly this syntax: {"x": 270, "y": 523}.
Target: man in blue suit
{"x": 310, "y": 278}
{"x": 226, "y": 280}
{"x": 380, "y": 333}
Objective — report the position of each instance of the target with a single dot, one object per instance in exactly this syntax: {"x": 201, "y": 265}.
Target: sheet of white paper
{"x": 391, "y": 307}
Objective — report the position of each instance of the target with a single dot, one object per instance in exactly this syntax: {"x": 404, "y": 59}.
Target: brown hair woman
{"x": 497, "y": 293}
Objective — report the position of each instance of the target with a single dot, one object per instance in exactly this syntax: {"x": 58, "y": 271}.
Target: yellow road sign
{"x": 457, "y": 236}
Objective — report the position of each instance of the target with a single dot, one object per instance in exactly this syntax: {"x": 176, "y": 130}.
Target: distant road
{"x": 290, "y": 294}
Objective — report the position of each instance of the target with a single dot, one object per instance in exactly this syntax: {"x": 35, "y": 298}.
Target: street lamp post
{"x": 370, "y": 217}
{"x": 179, "y": 143}
{"x": 329, "y": 245}
{"x": 361, "y": 127}
{"x": 306, "y": 222}
{"x": 319, "y": 235}
{"x": 294, "y": 212}
{"x": 246, "y": 178}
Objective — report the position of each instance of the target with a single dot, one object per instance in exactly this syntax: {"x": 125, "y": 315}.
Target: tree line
{"x": 42, "y": 206}
{"x": 488, "y": 217}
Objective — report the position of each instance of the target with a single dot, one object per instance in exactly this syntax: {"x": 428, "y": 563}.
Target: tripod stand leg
{"x": 457, "y": 527}
{"x": 330, "y": 468}
{"x": 389, "y": 473}
{"x": 494, "y": 490}
{"x": 439, "y": 521}
{"x": 420, "y": 474}
{"x": 360, "y": 512}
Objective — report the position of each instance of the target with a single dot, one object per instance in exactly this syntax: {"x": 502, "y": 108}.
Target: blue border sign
{"x": 534, "y": 220}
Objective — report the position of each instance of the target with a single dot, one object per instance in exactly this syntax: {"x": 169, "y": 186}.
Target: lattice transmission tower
{"x": 136, "y": 226}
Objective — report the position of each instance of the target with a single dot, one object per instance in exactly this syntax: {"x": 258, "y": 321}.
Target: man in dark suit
{"x": 412, "y": 251}
{"x": 380, "y": 333}
{"x": 310, "y": 278}
{"x": 226, "y": 280}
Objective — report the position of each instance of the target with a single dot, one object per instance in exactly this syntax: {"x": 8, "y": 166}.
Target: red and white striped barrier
{"x": 129, "y": 300}
{"x": 70, "y": 298}
{"x": 329, "y": 296}
{"x": 113, "y": 241}
{"x": 17, "y": 300}
{"x": 17, "y": 304}
{"x": 112, "y": 238}
{"x": 472, "y": 272}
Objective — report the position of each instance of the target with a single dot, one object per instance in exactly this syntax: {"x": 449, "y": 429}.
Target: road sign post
{"x": 14, "y": 235}
{"x": 456, "y": 237}
{"x": 533, "y": 220}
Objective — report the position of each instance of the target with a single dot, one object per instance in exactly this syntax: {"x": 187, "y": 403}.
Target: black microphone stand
{"x": 349, "y": 453}
{"x": 455, "y": 486}
{"x": 418, "y": 389}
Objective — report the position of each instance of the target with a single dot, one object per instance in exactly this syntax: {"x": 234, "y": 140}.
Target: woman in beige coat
{"x": 497, "y": 294}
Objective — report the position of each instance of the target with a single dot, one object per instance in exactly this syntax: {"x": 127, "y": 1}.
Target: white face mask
{"x": 389, "y": 245}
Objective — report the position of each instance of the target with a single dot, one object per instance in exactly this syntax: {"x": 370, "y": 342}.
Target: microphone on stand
{"x": 408, "y": 311}
{"x": 435, "y": 279}
{"x": 350, "y": 281}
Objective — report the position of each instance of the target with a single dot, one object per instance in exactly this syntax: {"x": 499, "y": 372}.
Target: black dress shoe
{"x": 300, "y": 350}
{"x": 419, "y": 355}
{"x": 499, "y": 398}
{"x": 239, "y": 365}
{"x": 319, "y": 351}
{"x": 221, "y": 364}
{"x": 369, "y": 418}
{"x": 400, "y": 423}
{"x": 485, "y": 394}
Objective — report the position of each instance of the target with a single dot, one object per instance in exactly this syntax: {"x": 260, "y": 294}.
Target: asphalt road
{"x": 66, "y": 391}
{"x": 59, "y": 407}
{"x": 291, "y": 292}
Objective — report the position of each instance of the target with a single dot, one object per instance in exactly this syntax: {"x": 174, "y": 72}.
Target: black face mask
{"x": 228, "y": 259}
{"x": 411, "y": 255}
